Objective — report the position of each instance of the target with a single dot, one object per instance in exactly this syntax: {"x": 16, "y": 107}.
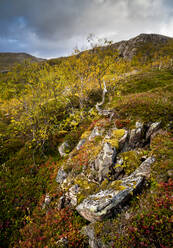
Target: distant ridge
{"x": 9, "y": 59}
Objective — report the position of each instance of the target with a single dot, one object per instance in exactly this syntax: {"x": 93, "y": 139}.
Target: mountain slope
{"x": 62, "y": 166}
{"x": 9, "y": 59}
{"x": 128, "y": 49}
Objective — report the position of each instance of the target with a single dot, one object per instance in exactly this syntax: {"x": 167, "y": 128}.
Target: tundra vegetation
{"x": 46, "y": 103}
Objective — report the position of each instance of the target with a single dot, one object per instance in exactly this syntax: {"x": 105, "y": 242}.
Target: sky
{"x": 53, "y": 28}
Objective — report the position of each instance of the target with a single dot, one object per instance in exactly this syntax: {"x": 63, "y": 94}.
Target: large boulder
{"x": 107, "y": 202}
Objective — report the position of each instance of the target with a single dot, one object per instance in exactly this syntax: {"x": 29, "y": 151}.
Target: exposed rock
{"x": 95, "y": 132}
{"x": 123, "y": 140}
{"x": 72, "y": 194}
{"x": 61, "y": 176}
{"x": 63, "y": 149}
{"x": 80, "y": 144}
{"x": 152, "y": 129}
{"x": 108, "y": 202}
{"x": 145, "y": 168}
{"x": 63, "y": 242}
{"x": 90, "y": 233}
{"x": 104, "y": 161}
{"x": 128, "y": 48}
{"x": 136, "y": 135}
{"x": 61, "y": 203}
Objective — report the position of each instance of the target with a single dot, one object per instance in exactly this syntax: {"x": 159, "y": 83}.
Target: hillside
{"x": 9, "y": 59}
{"x": 86, "y": 149}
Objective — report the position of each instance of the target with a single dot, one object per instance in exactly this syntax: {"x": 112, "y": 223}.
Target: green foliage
{"x": 43, "y": 105}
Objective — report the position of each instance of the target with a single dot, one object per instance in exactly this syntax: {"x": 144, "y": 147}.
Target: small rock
{"x": 63, "y": 242}
{"x": 62, "y": 149}
{"x": 61, "y": 176}
{"x": 170, "y": 173}
{"x": 80, "y": 144}
{"x": 61, "y": 202}
{"x": 95, "y": 132}
{"x": 73, "y": 193}
{"x": 90, "y": 233}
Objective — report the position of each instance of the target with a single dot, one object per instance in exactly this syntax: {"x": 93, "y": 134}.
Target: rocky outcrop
{"x": 128, "y": 48}
{"x": 113, "y": 172}
{"x": 107, "y": 202}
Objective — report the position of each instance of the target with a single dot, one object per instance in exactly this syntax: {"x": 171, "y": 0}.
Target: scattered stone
{"x": 61, "y": 176}
{"x": 63, "y": 149}
{"x": 80, "y": 144}
{"x": 63, "y": 242}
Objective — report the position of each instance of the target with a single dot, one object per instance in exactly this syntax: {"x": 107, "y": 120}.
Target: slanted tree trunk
{"x": 103, "y": 111}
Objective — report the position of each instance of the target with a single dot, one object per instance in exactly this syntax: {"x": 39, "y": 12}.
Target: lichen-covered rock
{"x": 152, "y": 129}
{"x": 73, "y": 194}
{"x": 61, "y": 176}
{"x": 145, "y": 168}
{"x": 136, "y": 136}
{"x": 80, "y": 144}
{"x": 104, "y": 161}
{"x": 107, "y": 202}
{"x": 63, "y": 149}
{"x": 123, "y": 140}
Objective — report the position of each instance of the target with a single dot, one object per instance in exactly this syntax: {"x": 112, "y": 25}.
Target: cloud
{"x": 53, "y": 28}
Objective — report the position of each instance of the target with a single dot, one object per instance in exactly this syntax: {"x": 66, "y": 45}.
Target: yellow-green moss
{"x": 131, "y": 160}
{"x": 118, "y": 133}
{"x": 86, "y": 188}
{"x": 114, "y": 142}
{"x": 85, "y": 134}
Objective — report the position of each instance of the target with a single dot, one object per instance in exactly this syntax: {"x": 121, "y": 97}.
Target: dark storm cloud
{"x": 51, "y": 28}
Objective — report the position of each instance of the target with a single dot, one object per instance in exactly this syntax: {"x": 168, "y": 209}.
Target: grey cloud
{"x": 51, "y": 28}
